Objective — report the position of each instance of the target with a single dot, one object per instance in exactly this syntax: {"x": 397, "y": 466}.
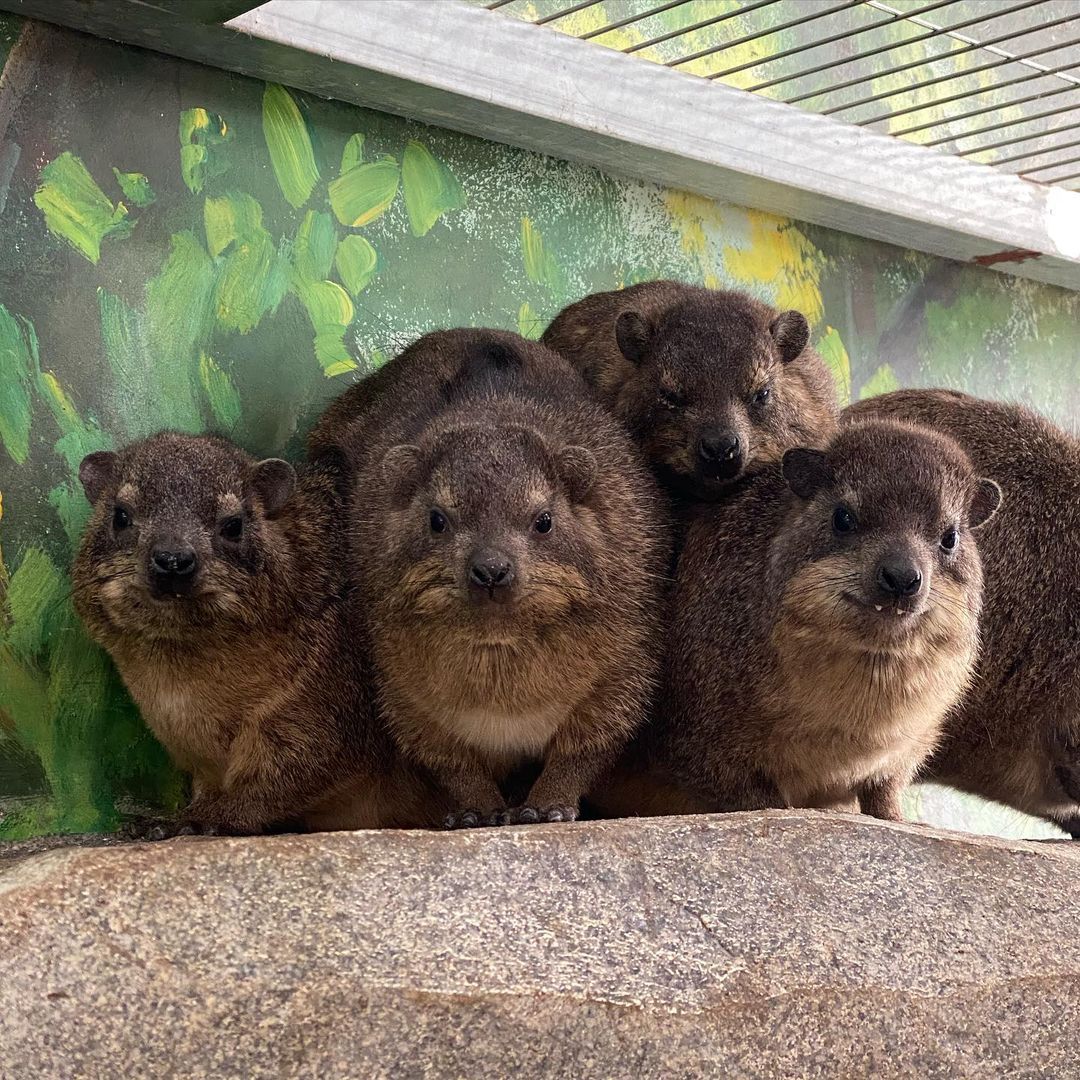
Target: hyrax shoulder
{"x": 1016, "y": 739}
{"x": 712, "y": 384}
{"x": 214, "y": 581}
{"x": 825, "y": 621}
{"x": 509, "y": 549}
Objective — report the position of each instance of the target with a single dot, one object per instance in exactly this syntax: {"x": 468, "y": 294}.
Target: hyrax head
{"x": 713, "y": 394}
{"x": 488, "y": 529}
{"x": 181, "y": 527}
{"x": 881, "y": 543}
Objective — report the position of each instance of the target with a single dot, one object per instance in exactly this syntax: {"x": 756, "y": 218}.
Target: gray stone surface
{"x": 778, "y": 944}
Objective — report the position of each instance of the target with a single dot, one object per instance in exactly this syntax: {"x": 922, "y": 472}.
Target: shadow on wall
{"x": 184, "y": 248}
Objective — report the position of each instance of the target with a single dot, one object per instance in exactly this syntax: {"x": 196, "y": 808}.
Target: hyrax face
{"x": 488, "y": 532}
{"x": 179, "y": 532}
{"x": 713, "y": 395}
{"x": 882, "y": 546}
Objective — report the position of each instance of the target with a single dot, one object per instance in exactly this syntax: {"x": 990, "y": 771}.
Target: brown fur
{"x": 784, "y": 686}
{"x": 491, "y": 431}
{"x": 248, "y": 679}
{"x": 679, "y": 364}
{"x": 1017, "y": 738}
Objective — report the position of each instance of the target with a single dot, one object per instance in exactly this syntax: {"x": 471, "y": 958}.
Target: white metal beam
{"x": 464, "y": 68}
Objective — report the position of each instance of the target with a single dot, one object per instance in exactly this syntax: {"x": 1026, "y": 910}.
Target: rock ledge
{"x": 772, "y": 944}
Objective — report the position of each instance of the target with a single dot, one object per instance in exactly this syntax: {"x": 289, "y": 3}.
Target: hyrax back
{"x": 508, "y": 552}
{"x": 825, "y": 622}
{"x": 1017, "y": 737}
{"x": 712, "y": 384}
{"x": 213, "y": 581}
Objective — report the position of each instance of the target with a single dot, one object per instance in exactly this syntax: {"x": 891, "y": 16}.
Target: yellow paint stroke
{"x": 540, "y": 264}
{"x": 694, "y": 217}
{"x": 783, "y": 260}
{"x": 832, "y": 351}
{"x": 357, "y": 262}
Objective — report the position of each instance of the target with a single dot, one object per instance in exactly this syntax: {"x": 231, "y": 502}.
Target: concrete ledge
{"x": 773, "y": 944}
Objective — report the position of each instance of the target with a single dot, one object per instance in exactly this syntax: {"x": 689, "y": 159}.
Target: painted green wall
{"x": 185, "y": 248}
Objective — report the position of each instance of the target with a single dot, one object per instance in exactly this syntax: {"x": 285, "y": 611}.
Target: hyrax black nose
{"x": 899, "y": 579}
{"x": 490, "y": 570}
{"x": 173, "y": 561}
{"x": 720, "y": 447}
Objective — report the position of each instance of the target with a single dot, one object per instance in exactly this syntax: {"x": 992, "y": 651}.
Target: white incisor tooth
{"x": 877, "y": 607}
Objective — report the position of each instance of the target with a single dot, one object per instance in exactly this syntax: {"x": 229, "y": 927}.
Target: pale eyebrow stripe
{"x": 128, "y": 492}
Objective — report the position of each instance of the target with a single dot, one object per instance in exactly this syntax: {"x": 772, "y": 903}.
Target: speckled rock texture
{"x": 777, "y": 944}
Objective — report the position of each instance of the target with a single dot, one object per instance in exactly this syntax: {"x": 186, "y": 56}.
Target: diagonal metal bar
{"x": 988, "y": 108}
{"x": 916, "y": 86}
{"x": 1030, "y": 155}
{"x": 1001, "y": 127}
{"x": 1062, "y": 179}
{"x": 696, "y": 26}
{"x": 620, "y": 23}
{"x": 845, "y": 35}
{"x": 934, "y": 102}
{"x": 566, "y": 11}
{"x": 1017, "y": 139}
{"x": 497, "y": 4}
{"x": 1046, "y": 168}
{"x": 766, "y": 32}
{"x": 985, "y": 17}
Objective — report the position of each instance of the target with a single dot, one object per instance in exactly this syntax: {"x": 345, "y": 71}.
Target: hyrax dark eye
{"x": 542, "y": 524}
{"x": 438, "y": 522}
{"x": 671, "y": 399}
{"x": 950, "y": 539}
{"x": 843, "y": 520}
{"x": 762, "y": 395}
{"x": 232, "y": 528}
{"x": 121, "y": 519}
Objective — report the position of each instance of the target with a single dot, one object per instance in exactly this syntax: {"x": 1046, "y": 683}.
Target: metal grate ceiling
{"x": 996, "y": 81}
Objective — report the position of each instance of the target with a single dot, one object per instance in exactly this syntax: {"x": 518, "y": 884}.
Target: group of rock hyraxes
{"x": 641, "y": 566}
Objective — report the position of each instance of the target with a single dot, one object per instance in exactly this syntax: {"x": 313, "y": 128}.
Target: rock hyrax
{"x": 825, "y": 622}
{"x": 213, "y": 581}
{"x": 508, "y": 550}
{"x": 1016, "y": 738}
{"x": 711, "y": 384}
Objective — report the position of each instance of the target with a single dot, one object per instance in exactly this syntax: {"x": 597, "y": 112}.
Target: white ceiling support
{"x": 459, "y": 67}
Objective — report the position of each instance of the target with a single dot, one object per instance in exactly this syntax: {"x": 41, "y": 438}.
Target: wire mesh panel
{"x": 996, "y": 81}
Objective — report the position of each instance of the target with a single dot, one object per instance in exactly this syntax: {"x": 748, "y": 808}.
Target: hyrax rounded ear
{"x": 790, "y": 331}
{"x": 97, "y": 472}
{"x": 806, "y": 471}
{"x": 984, "y": 503}
{"x": 401, "y": 473}
{"x": 577, "y": 470}
{"x": 633, "y": 334}
{"x": 272, "y": 480}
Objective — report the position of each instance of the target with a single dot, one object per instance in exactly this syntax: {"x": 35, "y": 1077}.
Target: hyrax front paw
{"x": 468, "y": 819}
{"x": 152, "y": 828}
{"x": 532, "y": 815}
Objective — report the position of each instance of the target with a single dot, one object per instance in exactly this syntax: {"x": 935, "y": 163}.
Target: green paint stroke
{"x": 363, "y": 194}
{"x": 253, "y": 278}
{"x": 76, "y": 209}
{"x": 357, "y": 263}
{"x": 353, "y": 153}
{"x": 540, "y": 265}
{"x": 529, "y": 326}
{"x": 883, "y": 381}
{"x": 202, "y": 135}
{"x": 15, "y": 371}
{"x": 179, "y": 324}
{"x": 331, "y": 312}
{"x": 313, "y": 248}
{"x": 431, "y": 189}
{"x": 289, "y": 144}
{"x": 832, "y": 351}
{"x": 221, "y": 395}
{"x": 34, "y": 592}
{"x": 135, "y": 187}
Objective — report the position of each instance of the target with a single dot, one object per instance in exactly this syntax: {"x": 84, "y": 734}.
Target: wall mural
{"x": 184, "y": 248}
